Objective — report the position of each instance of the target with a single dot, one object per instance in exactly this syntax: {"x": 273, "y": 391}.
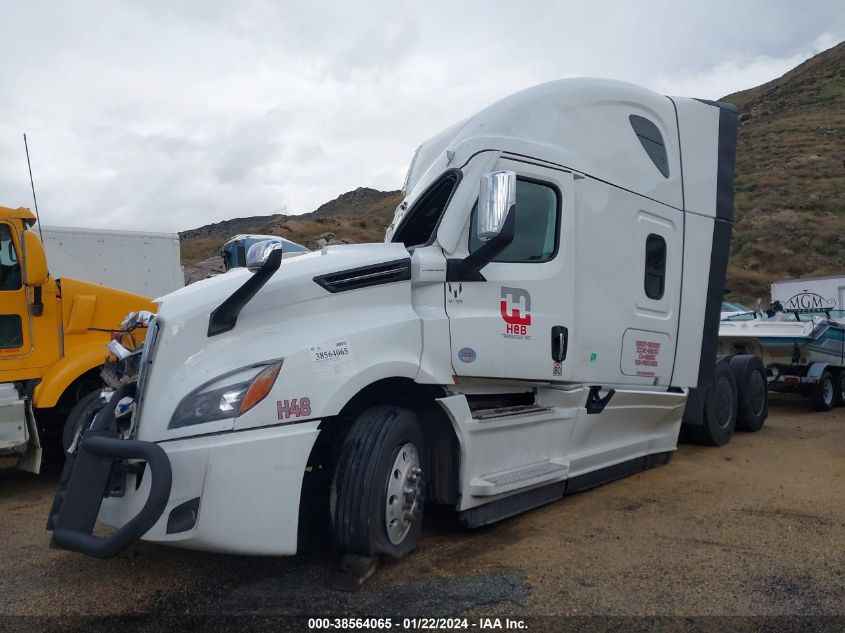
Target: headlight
{"x": 228, "y": 396}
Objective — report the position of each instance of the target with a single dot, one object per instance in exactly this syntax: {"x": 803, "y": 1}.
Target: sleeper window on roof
{"x": 652, "y": 141}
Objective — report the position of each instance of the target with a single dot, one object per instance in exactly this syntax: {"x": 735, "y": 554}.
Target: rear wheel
{"x": 378, "y": 492}
{"x": 839, "y": 396}
{"x": 719, "y": 409}
{"x": 752, "y": 392}
{"x": 823, "y": 396}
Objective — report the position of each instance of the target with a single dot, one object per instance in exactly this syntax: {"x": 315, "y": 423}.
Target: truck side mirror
{"x": 260, "y": 251}
{"x": 35, "y": 261}
{"x": 496, "y": 198}
{"x": 34, "y": 269}
{"x": 496, "y": 226}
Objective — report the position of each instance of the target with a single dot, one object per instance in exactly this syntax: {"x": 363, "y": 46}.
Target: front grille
{"x": 143, "y": 369}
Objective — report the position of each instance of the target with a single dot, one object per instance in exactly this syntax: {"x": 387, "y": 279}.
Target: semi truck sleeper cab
{"x": 546, "y": 299}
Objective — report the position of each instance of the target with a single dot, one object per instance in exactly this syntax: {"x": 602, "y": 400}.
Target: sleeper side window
{"x": 655, "y": 266}
{"x": 537, "y": 216}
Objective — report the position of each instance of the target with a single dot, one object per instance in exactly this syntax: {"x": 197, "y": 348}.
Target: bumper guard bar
{"x": 85, "y": 480}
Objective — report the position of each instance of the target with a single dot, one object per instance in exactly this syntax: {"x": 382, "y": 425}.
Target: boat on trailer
{"x": 806, "y": 355}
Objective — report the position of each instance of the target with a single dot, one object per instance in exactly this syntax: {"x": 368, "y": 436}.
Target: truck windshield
{"x": 418, "y": 226}
{"x": 10, "y": 268}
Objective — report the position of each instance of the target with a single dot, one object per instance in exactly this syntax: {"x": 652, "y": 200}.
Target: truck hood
{"x": 292, "y": 283}
{"x": 290, "y": 313}
{"x": 92, "y": 306}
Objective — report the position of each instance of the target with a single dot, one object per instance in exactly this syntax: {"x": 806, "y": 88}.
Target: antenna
{"x": 32, "y": 183}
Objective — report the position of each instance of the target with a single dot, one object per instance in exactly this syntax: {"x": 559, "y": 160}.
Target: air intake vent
{"x": 365, "y": 276}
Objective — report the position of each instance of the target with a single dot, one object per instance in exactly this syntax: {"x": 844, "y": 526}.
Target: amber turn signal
{"x": 260, "y": 387}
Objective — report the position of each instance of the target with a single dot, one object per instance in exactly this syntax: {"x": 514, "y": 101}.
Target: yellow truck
{"x": 53, "y": 337}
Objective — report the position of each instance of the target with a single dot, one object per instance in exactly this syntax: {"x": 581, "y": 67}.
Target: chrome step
{"x": 507, "y": 480}
{"x": 481, "y": 415}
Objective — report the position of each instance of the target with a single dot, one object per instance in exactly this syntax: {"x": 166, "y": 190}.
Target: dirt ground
{"x": 755, "y": 528}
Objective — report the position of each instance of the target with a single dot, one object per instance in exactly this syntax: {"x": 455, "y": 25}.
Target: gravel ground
{"x": 754, "y": 528}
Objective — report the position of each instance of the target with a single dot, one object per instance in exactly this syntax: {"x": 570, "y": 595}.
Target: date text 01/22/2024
{"x": 418, "y": 624}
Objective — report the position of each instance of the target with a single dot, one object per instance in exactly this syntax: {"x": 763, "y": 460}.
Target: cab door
{"x": 14, "y": 313}
{"x": 518, "y": 323}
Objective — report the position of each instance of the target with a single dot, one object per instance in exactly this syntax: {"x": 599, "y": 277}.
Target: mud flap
{"x": 31, "y": 460}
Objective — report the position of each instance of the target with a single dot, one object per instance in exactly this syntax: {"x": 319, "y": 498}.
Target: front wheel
{"x": 81, "y": 414}
{"x": 378, "y": 491}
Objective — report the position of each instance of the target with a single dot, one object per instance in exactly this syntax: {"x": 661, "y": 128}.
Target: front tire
{"x": 378, "y": 491}
{"x": 81, "y": 414}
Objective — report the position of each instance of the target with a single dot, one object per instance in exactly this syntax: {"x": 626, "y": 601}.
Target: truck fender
{"x": 364, "y": 378}
{"x": 814, "y": 372}
{"x": 62, "y": 374}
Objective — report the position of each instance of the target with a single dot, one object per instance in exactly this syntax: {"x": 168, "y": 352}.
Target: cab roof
{"x": 599, "y": 127}
{"x": 21, "y": 213}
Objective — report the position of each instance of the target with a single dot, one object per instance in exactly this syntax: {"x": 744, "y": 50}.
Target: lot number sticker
{"x": 332, "y": 360}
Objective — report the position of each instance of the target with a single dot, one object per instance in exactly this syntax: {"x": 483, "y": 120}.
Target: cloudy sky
{"x": 163, "y": 115}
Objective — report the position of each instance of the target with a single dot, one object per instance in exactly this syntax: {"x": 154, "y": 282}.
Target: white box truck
{"x": 546, "y": 298}
{"x": 812, "y": 293}
{"x": 141, "y": 262}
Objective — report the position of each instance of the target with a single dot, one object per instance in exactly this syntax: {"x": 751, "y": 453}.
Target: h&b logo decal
{"x": 515, "y": 306}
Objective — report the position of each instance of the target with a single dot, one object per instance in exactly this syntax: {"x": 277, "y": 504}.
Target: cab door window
{"x": 10, "y": 267}
{"x": 537, "y": 215}
{"x": 11, "y": 325}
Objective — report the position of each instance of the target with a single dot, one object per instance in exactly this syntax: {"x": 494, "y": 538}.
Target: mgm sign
{"x": 809, "y": 301}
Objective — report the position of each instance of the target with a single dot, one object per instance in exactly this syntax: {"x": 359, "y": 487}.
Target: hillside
{"x": 356, "y": 216}
{"x": 790, "y": 177}
{"x": 790, "y": 188}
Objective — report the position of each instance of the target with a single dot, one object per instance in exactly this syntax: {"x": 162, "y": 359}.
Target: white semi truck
{"x": 546, "y": 299}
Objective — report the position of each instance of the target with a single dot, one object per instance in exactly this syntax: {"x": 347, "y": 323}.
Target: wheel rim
{"x": 404, "y": 493}
{"x": 757, "y": 393}
{"x": 842, "y": 387}
{"x": 723, "y": 402}
{"x": 827, "y": 391}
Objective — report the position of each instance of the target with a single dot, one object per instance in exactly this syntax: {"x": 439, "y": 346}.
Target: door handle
{"x": 560, "y": 343}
